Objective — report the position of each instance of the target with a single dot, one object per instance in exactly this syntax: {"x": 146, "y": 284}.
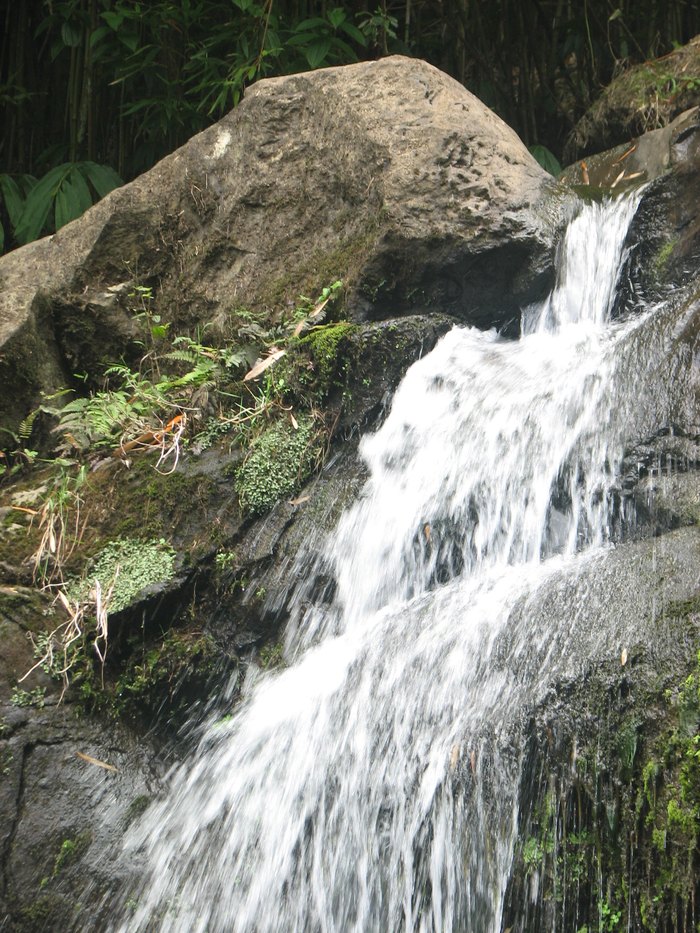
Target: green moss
{"x": 661, "y": 260}
{"x": 327, "y": 349}
{"x": 71, "y": 850}
{"x": 271, "y": 656}
{"x": 278, "y": 463}
{"x": 136, "y": 808}
{"x": 123, "y": 568}
{"x": 161, "y": 670}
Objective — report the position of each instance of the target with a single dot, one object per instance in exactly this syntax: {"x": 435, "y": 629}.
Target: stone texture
{"x": 387, "y": 174}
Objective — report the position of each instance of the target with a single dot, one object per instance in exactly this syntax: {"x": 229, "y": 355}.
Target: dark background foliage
{"x": 120, "y": 83}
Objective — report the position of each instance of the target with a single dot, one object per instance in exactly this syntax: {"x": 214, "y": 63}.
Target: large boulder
{"x": 387, "y": 174}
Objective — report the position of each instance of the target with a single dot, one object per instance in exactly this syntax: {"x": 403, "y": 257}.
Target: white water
{"x": 372, "y": 785}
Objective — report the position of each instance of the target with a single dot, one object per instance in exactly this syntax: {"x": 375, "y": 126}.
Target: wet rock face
{"x": 68, "y": 790}
{"x": 608, "y": 800}
{"x": 387, "y": 174}
{"x": 664, "y": 238}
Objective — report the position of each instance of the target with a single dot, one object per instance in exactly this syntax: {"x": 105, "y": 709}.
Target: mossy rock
{"x": 641, "y": 98}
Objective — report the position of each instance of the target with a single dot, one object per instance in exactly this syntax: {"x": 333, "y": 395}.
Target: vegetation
{"x": 92, "y": 91}
{"x": 184, "y": 396}
{"x": 279, "y": 461}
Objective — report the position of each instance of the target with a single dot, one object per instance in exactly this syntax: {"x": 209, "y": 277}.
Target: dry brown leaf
{"x": 618, "y": 179}
{"x": 264, "y": 364}
{"x": 623, "y": 657}
{"x": 426, "y": 532}
{"x": 300, "y": 500}
{"x": 472, "y": 761}
{"x": 96, "y": 761}
{"x": 625, "y": 155}
{"x": 454, "y": 758}
{"x": 295, "y": 423}
{"x": 320, "y": 307}
{"x": 65, "y": 602}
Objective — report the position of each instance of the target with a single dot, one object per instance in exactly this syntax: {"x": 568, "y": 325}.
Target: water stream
{"x": 372, "y": 784}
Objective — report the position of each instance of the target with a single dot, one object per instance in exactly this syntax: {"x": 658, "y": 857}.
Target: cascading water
{"x": 372, "y": 784}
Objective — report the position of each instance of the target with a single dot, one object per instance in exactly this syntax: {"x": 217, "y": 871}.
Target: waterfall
{"x": 372, "y": 784}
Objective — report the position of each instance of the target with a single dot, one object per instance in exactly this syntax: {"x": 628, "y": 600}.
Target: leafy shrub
{"x": 61, "y": 195}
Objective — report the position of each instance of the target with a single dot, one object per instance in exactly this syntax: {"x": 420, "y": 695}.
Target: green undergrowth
{"x": 165, "y": 675}
{"x": 123, "y": 568}
{"x": 119, "y": 500}
{"x": 279, "y": 461}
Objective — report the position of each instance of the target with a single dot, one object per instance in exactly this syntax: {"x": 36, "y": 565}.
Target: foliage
{"x": 148, "y": 408}
{"x": 34, "y": 207}
{"x": 123, "y": 568}
{"x": 24, "y": 698}
{"x": 279, "y": 461}
{"x": 547, "y": 159}
{"x": 86, "y": 84}
{"x": 160, "y": 670}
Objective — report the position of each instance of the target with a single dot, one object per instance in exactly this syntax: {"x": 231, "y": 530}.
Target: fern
{"x": 25, "y": 426}
{"x": 182, "y": 356}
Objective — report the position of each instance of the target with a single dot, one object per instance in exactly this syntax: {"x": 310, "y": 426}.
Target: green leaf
{"x": 72, "y": 199}
{"x": 314, "y": 23}
{"x": 113, "y": 20}
{"x": 102, "y": 178}
{"x": 547, "y": 159}
{"x": 351, "y": 30}
{"x": 12, "y": 196}
{"x": 97, "y": 35}
{"x": 336, "y": 16}
{"x": 317, "y": 53}
{"x": 71, "y": 34}
{"x": 39, "y": 202}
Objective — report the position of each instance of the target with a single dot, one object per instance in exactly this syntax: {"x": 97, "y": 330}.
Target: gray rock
{"x": 387, "y": 174}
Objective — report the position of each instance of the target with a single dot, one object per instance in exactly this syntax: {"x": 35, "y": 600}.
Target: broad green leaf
{"x": 336, "y": 16}
{"x": 315, "y": 22}
{"x": 547, "y": 159}
{"x": 72, "y": 199}
{"x": 302, "y": 38}
{"x": 72, "y": 35}
{"x": 351, "y": 30}
{"x": 12, "y": 196}
{"x": 102, "y": 178}
{"x": 97, "y": 35}
{"x": 113, "y": 20}
{"x": 39, "y": 202}
{"x": 26, "y": 183}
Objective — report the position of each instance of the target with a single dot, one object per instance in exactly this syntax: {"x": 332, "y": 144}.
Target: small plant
{"x": 60, "y": 522}
{"x": 123, "y": 568}
{"x": 224, "y": 560}
{"x": 279, "y": 461}
{"x": 70, "y": 850}
{"x": 25, "y": 698}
